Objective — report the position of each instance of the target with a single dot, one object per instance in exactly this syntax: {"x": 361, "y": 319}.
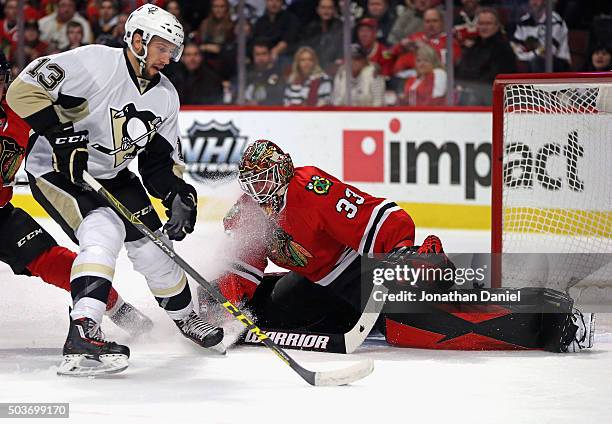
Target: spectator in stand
{"x": 280, "y": 27}
{"x": 264, "y": 85}
{"x": 33, "y": 46}
{"x": 324, "y": 35}
{"x": 384, "y": 15}
{"x": 367, "y": 86}
{"x": 174, "y": 7}
{"x": 466, "y": 19}
{"x": 107, "y": 18}
{"x": 216, "y": 38}
{"x": 428, "y": 86}
{"x": 409, "y": 22}
{"x": 433, "y": 35}
{"x": 53, "y": 26}
{"x": 195, "y": 82}
{"x": 485, "y": 56}
{"x": 304, "y": 10}
{"x": 74, "y": 32}
{"x": 377, "y": 52}
{"x": 529, "y": 39}
{"x": 115, "y": 38}
{"x": 307, "y": 84}
{"x": 8, "y": 28}
{"x": 253, "y": 10}
{"x": 600, "y": 59}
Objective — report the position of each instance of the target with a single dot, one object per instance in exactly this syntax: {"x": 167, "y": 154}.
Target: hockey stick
{"x": 356, "y": 335}
{"x": 319, "y": 341}
{"x": 316, "y": 378}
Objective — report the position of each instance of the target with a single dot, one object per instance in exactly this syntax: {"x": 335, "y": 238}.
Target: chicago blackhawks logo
{"x": 131, "y": 129}
{"x": 319, "y": 185}
{"x": 11, "y": 155}
{"x": 284, "y": 251}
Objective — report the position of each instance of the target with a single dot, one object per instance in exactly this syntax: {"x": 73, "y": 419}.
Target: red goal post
{"x": 552, "y": 168}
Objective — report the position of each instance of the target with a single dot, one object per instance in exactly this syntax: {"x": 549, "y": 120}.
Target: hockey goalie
{"x": 321, "y": 229}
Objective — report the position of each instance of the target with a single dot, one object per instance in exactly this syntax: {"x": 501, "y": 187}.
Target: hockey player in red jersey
{"x": 24, "y": 245}
{"x": 316, "y": 226}
{"x": 320, "y": 229}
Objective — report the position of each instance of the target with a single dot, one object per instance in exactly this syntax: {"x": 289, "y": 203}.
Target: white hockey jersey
{"x": 96, "y": 88}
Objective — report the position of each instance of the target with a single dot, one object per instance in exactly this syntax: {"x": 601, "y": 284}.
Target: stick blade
{"x": 344, "y": 376}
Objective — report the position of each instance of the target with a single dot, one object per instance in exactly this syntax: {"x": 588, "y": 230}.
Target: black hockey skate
{"x": 87, "y": 354}
{"x": 199, "y": 331}
{"x": 130, "y": 319}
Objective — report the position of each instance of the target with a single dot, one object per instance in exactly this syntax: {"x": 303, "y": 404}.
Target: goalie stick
{"x": 338, "y": 377}
{"x": 319, "y": 341}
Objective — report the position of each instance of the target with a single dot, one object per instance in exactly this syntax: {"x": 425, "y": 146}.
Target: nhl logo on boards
{"x": 212, "y": 151}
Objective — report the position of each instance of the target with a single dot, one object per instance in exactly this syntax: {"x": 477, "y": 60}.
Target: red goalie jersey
{"x": 324, "y": 226}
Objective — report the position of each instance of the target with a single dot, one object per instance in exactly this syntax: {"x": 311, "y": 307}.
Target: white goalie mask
{"x": 152, "y": 20}
{"x": 264, "y": 173}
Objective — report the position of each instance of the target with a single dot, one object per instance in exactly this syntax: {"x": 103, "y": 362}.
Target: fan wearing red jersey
{"x": 24, "y": 245}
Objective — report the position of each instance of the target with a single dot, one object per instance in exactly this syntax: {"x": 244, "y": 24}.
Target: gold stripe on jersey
{"x": 171, "y": 291}
{"x": 27, "y": 99}
{"x": 92, "y": 269}
{"x": 73, "y": 114}
{"x": 178, "y": 170}
{"x": 63, "y": 203}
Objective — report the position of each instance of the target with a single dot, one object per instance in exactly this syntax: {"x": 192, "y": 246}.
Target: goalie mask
{"x": 264, "y": 174}
{"x": 151, "y": 20}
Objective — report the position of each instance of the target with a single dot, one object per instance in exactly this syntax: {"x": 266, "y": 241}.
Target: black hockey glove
{"x": 181, "y": 204}
{"x": 69, "y": 152}
{"x": 430, "y": 255}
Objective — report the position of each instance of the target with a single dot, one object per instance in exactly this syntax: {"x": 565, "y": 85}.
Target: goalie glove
{"x": 428, "y": 256}
{"x": 182, "y": 209}
{"x": 69, "y": 152}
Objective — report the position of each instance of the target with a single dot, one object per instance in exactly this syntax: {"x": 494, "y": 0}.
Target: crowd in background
{"x": 295, "y": 48}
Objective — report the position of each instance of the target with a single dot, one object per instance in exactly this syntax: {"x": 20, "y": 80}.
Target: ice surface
{"x": 171, "y": 381}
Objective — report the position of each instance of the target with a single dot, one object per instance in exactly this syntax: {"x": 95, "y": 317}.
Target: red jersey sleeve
{"x": 365, "y": 223}
{"x": 246, "y": 225}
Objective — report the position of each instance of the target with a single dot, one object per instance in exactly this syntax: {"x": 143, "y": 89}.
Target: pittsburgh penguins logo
{"x": 131, "y": 129}
{"x": 11, "y": 155}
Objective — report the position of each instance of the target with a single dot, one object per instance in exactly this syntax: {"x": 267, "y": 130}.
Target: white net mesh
{"x": 557, "y": 188}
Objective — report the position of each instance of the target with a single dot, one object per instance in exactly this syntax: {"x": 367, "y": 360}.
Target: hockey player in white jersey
{"x": 96, "y": 108}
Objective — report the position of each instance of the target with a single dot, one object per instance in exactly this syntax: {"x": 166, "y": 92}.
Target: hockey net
{"x": 552, "y": 184}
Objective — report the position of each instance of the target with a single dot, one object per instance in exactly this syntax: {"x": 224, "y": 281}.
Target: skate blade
{"x": 85, "y": 366}
{"x": 219, "y": 349}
